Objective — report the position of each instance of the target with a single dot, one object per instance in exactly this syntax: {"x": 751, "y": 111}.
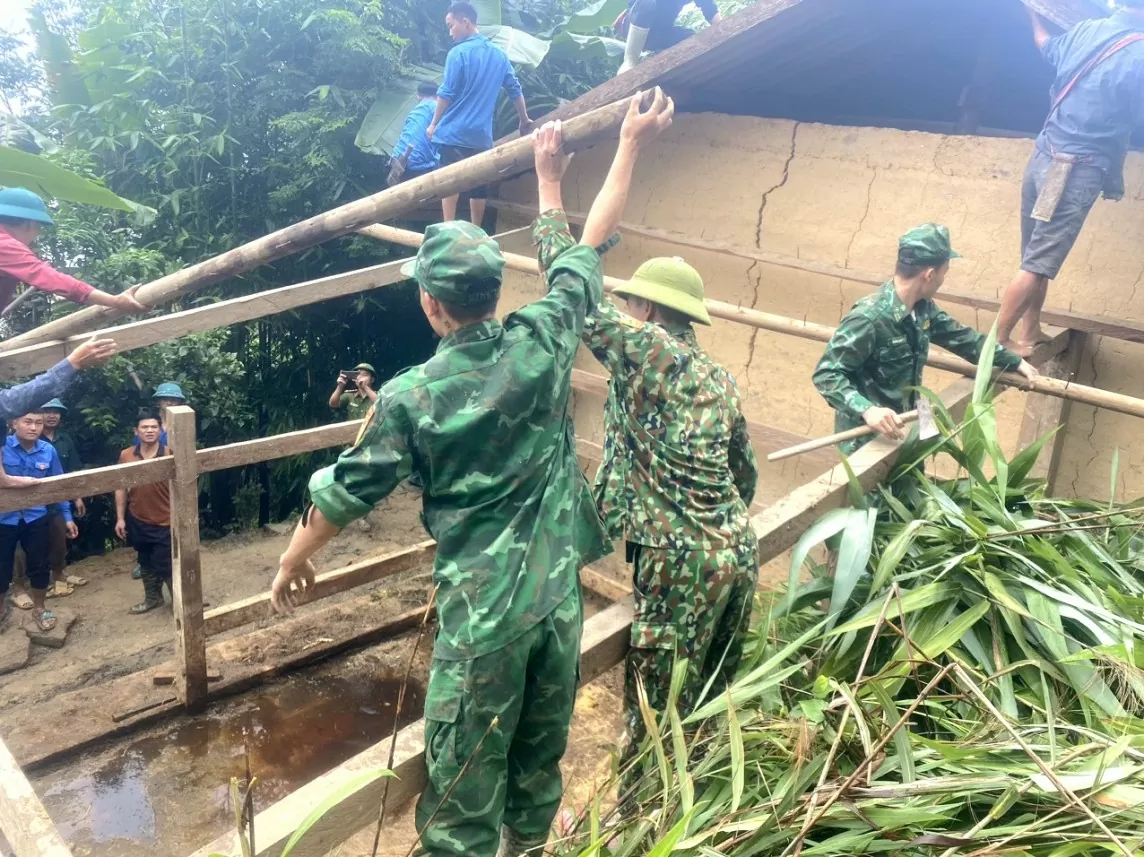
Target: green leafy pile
{"x": 962, "y": 676}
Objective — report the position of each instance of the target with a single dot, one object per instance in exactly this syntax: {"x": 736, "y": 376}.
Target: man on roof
{"x": 22, "y": 216}
{"x": 1098, "y": 102}
{"x": 415, "y": 155}
{"x": 873, "y": 364}
{"x": 476, "y": 71}
{"x": 486, "y": 424}
{"x": 650, "y": 25}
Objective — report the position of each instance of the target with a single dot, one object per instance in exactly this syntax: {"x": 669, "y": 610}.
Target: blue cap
{"x": 22, "y": 203}
{"x": 57, "y": 404}
{"x": 169, "y": 390}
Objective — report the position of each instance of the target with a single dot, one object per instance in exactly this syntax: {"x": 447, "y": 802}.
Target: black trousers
{"x": 153, "y": 548}
{"x": 35, "y": 539}
{"x": 663, "y": 32}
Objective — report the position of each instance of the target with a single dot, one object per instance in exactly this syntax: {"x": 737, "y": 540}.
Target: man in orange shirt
{"x": 143, "y": 515}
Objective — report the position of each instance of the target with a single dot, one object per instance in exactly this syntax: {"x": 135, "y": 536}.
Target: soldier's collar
{"x": 486, "y": 329}
{"x": 683, "y": 332}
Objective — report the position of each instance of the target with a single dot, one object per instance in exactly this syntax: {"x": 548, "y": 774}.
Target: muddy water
{"x": 169, "y": 792}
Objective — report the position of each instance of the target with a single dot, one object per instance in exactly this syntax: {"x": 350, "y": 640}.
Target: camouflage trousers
{"x": 514, "y": 778}
{"x": 693, "y": 604}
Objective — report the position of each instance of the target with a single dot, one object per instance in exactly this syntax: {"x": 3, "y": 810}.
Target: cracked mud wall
{"x": 843, "y": 196}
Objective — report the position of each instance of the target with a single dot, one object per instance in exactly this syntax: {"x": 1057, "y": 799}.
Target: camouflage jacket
{"x": 879, "y": 352}
{"x": 486, "y": 424}
{"x": 678, "y": 470}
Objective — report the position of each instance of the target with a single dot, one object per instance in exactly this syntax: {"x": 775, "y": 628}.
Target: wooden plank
{"x": 23, "y": 820}
{"x": 257, "y": 607}
{"x": 1116, "y": 328}
{"x": 186, "y": 567}
{"x": 603, "y": 585}
{"x": 19, "y": 362}
{"x": 278, "y": 446}
{"x": 34, "y": 358}
{"x": 87, "y": 483}
{"x": 603, "y": 645}
{"x": 498, "y": 163}
{"x": 245, "y": 661}
{"x": 1043, "y": 414}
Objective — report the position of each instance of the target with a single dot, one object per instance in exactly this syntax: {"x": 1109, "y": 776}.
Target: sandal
{"x": 45, "y": 619}
{"x": 60, "y": 589}
{"x": 75, "y": 580}
{"x": 22, "y": 600}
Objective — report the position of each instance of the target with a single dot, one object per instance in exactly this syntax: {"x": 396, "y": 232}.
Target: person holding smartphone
{"x": 355, "y": 391}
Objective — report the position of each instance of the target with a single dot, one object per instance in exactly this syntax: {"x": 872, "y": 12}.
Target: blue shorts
{"x": 1045, "y": 246}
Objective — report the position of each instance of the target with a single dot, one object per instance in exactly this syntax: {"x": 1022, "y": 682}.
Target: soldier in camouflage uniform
{"x": 879, "y": 350}
{"x": 486, "y": 424}
{"x": 677, "y": 478}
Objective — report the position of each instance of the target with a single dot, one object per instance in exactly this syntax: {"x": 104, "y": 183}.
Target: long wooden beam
{"x": 19, "y": 362}
{"x": 502, "y": 161}
{"x": 23, "y": 820}
{"x": 604, "y": 645}
{"x": 257, "y": 607}
{"x": 1101, "y": 325}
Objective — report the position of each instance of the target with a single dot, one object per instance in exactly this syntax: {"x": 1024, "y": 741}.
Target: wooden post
{"x": 1045, "y": 413}
{"x": 186, "y": 579}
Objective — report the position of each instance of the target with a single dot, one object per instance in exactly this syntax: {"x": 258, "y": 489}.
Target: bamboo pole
{"x": 496, "y": 164}
{"x": 1061, "y": 389}
{"x": 832, "y": 439}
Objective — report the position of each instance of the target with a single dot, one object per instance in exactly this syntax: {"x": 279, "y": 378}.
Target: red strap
{"x": 1090, "y": 65}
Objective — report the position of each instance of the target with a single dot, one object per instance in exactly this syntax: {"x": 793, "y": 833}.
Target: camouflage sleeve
{"x": 368, "y": 471}
{"x": 744, "y": 467}
{"x": 847, "y": 352}
{"x": 966, "y": 342}
{"x": 551, "y": 237}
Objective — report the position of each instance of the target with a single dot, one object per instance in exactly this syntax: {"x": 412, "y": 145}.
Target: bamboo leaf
{"x": 826, "y": 527}
{"x": 853, "y": 557}
{"x": 738, "y": 759}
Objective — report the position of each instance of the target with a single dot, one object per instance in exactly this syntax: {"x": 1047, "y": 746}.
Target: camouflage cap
{"x": 927, "y": 244}
{"x": 458, "y": 264}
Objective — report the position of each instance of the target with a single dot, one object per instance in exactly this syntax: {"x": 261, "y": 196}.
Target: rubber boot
{"x": 152, "y": 593}
{"x": 512, "y": 844}
{"x": 633, "y": 48}
{"x": 137, "y": 572}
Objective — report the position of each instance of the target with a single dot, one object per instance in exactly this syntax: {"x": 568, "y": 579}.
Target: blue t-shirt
{"x": 39, "y": 462}
{"x": 424, "y": 155}
{"x": 475, "y": 72}
{"x": 1098, "y": 116}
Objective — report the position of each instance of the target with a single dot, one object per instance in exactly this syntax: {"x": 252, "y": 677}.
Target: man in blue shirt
{"x": 475, "y": 72}
{"x": 1100, "y": 105}
{"x": 651, "y": 24}
{"x": 414, "y": 146}
{"x": 25, "y": 454}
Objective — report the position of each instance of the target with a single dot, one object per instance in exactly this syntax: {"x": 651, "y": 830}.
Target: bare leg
{"x": 449, "y": 207}
{"x": 1018, "y": 297}
{"x": 476, "y": 211}
{"x": 1031, "y": 331}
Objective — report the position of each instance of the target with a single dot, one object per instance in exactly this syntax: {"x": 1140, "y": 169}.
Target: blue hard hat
{"x": 169, "y": 390}
{"x": 57, "y": 404}
{"x": 22, "y": 203}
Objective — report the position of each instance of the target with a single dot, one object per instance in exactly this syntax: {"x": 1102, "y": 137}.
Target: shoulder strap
{"x": 1114, "y": 48}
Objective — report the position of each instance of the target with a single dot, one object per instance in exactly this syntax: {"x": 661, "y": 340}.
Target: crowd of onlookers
{"x": 34, "y": 540}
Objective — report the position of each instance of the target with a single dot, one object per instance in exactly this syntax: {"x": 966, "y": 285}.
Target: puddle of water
{"x": 169, "y": 793}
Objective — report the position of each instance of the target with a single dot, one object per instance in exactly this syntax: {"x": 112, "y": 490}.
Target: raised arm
{"x": 640, "y": 128}
{"x": 1040, "y": 33}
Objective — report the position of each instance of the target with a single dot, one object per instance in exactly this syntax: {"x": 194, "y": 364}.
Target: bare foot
{"x": 1036, "y": 337}
{"x": 1021, "y": 349}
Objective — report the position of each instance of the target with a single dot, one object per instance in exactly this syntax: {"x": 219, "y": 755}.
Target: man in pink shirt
{"x": 22, "y": 216}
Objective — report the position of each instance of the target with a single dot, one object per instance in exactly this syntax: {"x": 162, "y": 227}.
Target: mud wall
{"x": 843, "y": 196}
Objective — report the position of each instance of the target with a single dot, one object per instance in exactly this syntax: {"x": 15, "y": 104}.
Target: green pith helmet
{"x": 927, "y": 244}
{"x": 368, "y": 367}
{"x": 458, "y": 264}
{"x": 22, "y": 203}
{"x": 169, "y": 390}
{"x": 55, "y": 404}
{"x": 669, "y": 282}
